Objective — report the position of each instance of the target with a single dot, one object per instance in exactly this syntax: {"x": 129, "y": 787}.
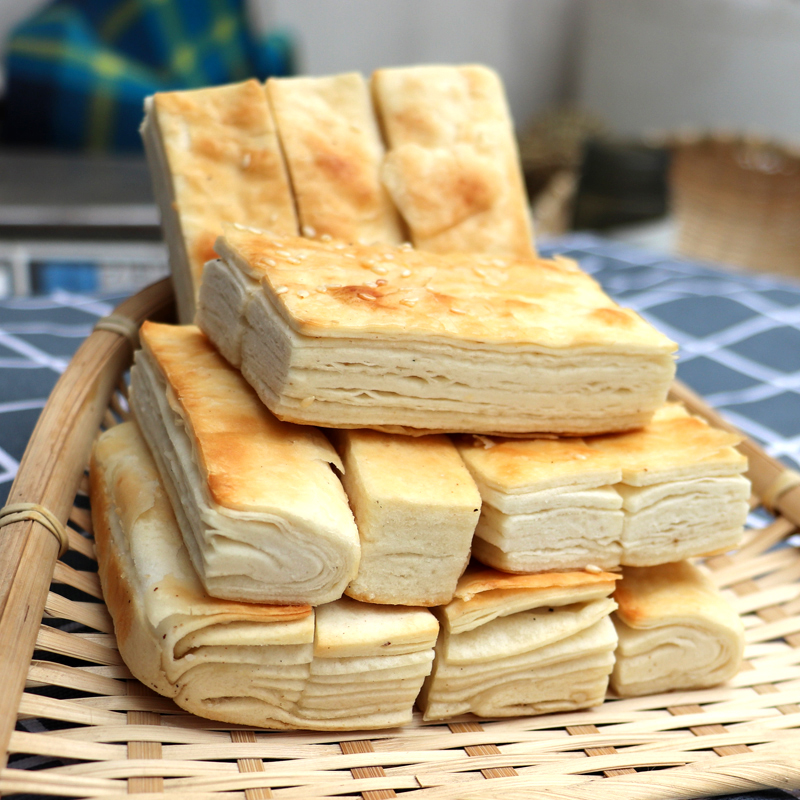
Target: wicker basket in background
{"x": 736, "y": 200}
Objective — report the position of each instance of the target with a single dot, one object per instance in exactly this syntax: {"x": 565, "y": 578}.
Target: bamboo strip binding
{"x": 122, "y": 741}
{"x": 18, "y": 512}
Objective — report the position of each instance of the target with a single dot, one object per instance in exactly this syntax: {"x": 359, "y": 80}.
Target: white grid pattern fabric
{"x": 38, "y": 336}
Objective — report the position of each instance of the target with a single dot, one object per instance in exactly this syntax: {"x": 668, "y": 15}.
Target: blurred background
{"x": 671, "y": 124}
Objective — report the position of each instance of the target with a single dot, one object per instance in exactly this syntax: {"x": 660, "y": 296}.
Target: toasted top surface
{"x": 483, "y": 595}
{"x": 673, "y": 445}
{"x": 424, "y": 469}
{"x": 252, "y": 461}
{"x": 334, "y": 152}
{"x": 328, "y": 289}
{"x": 226, "y": 165}
{"x": 347, "y": 628}
{"x": 125, "y": 481}
{"x": 435, "y": 105}
{"x": 514, "y": 465}
{"x": 452, "y": 167}
{"x": 673, "y": 441}
{"x": 671, "y": 594}
{"x": 475, "y": 582}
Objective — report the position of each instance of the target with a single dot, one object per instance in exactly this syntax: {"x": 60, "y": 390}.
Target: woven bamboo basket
{"x": 103, "y": 735}
{"x": 736, "y": 200}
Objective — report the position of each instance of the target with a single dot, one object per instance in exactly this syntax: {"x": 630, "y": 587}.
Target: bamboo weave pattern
{"x": 111, "y": 737}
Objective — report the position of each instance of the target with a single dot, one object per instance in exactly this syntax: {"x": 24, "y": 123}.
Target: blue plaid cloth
{"x": 78, "y": 71}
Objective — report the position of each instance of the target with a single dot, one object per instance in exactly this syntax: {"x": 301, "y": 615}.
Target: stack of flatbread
{"x": 369, "y": 264}
{"x": 522, "y": 644}
{"x": 548, "y": 504}
{"x": 316, "y": 149}
{"x": 344, "y": 665}
{"x": 669, "y": 491}
{"x": 238, "y": 662}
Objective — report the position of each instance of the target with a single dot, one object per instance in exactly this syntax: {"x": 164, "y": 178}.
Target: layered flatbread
{"x": 668, "y": 491}
{"x": 230, "y": 661}
{"x": 214, "y": 157}
{"x": 548, "y": 504}
{"x": 344, "y": 666}
{"x": 263, "y": 515}
{"x": 676, "y": 631}
{"x": 404, "y": 341}
{"x": 522, "y": 644}
{"x": 369, "y": 664}
{"x": 683, "y": 491}
{"x": 334, "y": 153}
{"x": 416, "y": 507}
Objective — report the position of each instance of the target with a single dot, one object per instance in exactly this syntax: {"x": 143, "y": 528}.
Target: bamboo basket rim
{"x": 121, "y": 740}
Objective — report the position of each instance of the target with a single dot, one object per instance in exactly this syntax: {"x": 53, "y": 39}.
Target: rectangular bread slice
{"x": 351, "y": 336}
{"x": 676, "y": 631}
{"x": 452, "y": 166}
{"x": 334, "y": 153}
{"x": 263, "y": 515}
{"x": 547, "y": 504}
{"x": 416, "y": 507}
{"x": 214, "y": 157}
{"x": 683, "y": 494}
{"x": 522, "y": 644}
{"x": 668, "y": 491}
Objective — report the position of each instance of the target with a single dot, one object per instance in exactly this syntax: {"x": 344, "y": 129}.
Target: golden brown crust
{"x": 475, "y": 582}
{"x": 667, "y": 594}
{"x": 125, "y": 483}
{"x": 508, "y": 464}
{"x": 672, "y": 440}
{"x": 244, "y": 451}
{"x": 116, "y": 589}
{"x": 222, "y": 152}
{"x": 483, "y": 595}
{"x": 334, "y": 153}
{"x": 323, "y": 289}
{"x": 453, "y": 167}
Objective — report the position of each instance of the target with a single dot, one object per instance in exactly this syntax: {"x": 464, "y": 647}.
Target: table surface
{"x": 739, "y": 337}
